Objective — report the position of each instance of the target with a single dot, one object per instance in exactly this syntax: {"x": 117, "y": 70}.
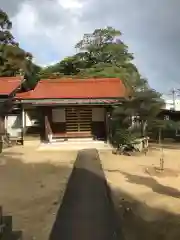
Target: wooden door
{"x": 78, "y": 121}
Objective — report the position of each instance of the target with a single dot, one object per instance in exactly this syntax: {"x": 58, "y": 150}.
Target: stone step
{"x": 56, "y": 139}
{"x": 80, "y": 140}
{"x": 74, "y": 145}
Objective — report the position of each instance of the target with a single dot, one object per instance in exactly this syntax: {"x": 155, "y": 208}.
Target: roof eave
{"x": 68, "y": 101}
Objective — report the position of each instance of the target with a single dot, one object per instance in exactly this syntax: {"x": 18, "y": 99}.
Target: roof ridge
{"x": 77, "y": 88}
{"x": 59, "y": 80}
{"x": 11, "y": 78}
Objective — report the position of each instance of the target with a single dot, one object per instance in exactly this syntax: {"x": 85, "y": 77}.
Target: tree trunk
{"x": 143, "y": 128}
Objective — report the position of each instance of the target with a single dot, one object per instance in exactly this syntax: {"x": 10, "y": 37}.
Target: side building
{"x": 171, "y": 111}
{"x": 9, "y": 86}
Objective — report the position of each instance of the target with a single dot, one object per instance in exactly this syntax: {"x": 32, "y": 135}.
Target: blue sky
{"x": 49, "y": 29}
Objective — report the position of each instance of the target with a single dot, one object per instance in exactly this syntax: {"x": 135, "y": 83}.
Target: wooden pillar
{"x": 2, "y": 126}
{"x": 46, "y": 127}
{"x": 1, "y": 133}
{"x": 48, "y": 130}
{"x": 108, "y": 124}
{"x": 23, "y": 117}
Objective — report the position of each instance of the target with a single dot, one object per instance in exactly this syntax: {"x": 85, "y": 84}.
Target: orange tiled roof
{"x": 76, "y": 88}
{"x": 9, "y": 84}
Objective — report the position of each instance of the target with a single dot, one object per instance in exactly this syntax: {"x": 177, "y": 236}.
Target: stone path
{"x": 86, "y": 212}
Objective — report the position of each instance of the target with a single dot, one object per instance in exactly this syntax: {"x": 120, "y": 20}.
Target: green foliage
{"x": 123, "y": 136}
{"x": 122, "y": 132}
{"x": 147, "y": 104}
{"x": 144, "y": 105}
{"x": 108, "y": 56}
{"x": 105, "y": 56}
{"x": 157, "y": 124}
{"x": 13, "y": 59}
{"x": 31, "y": 75}
{"x": 134, "y": 115}
{"x": 160, "y": 128}
{"x": 5, "y": 25}
{"x": 67, "y": 67}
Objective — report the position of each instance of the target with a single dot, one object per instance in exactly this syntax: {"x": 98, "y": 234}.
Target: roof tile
{"x": 9, "y": 84}
{"x": 76, "y": 88}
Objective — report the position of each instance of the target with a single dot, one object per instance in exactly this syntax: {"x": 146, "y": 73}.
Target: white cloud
{"x": 50, "y": 32}
{"x": 71, "y": 4}
{"x": 50, "y": 29}
{"x": 24, "y": 23}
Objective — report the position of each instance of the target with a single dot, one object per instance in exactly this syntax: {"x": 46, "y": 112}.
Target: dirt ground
{"x": 32, "y": 185}
{"x": 148, "y": 206}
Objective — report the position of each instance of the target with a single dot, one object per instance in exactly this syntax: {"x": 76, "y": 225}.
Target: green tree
{"x": 105, "y": 56}
{"x": 67, "y": 67}
{"x": 133, "y": 117}
{"x": 104, "y": 46}
{"x": 31, "y": 75}
{"x": 13, "y": 59}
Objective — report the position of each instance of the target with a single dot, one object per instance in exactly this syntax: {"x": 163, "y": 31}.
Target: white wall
{"x": 29, "y": 120}
{"x": 13, "y": 125}
{"x": 169, "y": 105}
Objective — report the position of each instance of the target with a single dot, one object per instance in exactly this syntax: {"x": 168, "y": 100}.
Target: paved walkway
{"x": 86, "y": 212}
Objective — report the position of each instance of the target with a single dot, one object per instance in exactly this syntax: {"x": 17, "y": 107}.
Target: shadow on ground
{"x": 87, "y": 211}
{"x": 39, "y": 216}
{"x": 150, "y": 183}
{"x": 31, "y": 193}
{"x": 139, "y": 221}
{"x": 166, "y": 145}
{"x": 128, "y": 218}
